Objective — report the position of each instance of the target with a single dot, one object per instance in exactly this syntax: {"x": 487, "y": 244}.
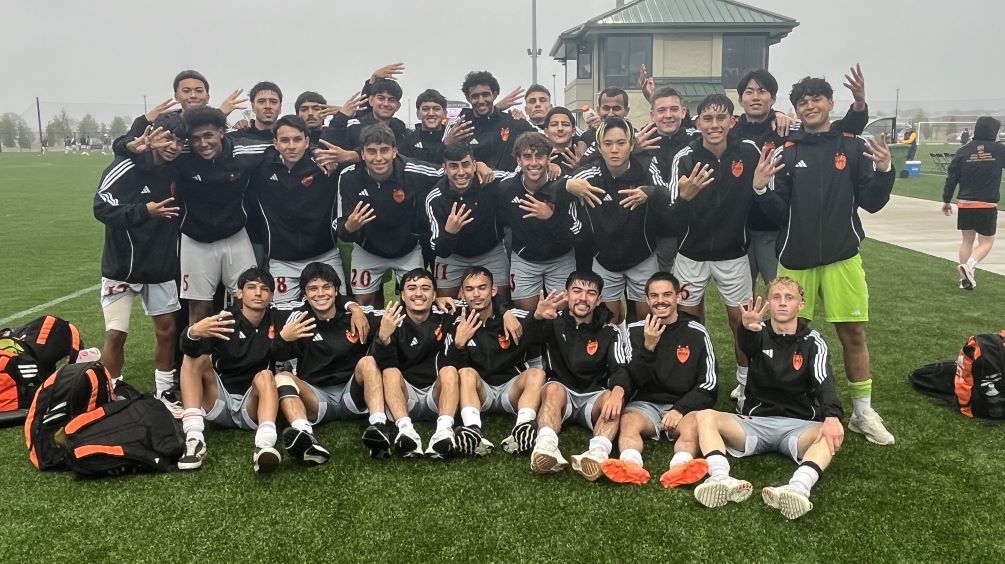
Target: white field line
{"x": 47, "y": 305}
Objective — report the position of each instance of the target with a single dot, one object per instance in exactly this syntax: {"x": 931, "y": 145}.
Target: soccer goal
{"x": 941, "y": 132}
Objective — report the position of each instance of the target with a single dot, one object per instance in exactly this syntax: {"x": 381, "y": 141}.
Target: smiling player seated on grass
{"x": 792, "y": 407}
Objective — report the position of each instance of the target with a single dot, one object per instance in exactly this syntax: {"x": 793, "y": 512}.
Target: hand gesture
{"x": 548, "y": 306}
{"x": 242, "y": 124}
{"x": 510, "y": 100}
{"x": 387, "y": 71}
{"x": 648, "y": 139}
{"x": 669, "y": 423}
{"x": 512, "y": 327}
{"x": 484, "y": 172}
{"x": 611, "y": 410}
{"x": 767, "y": 167}
{"x": 879, "y": 153}
{"x": 517, "y": 113}
{"x": 570, "y": 156}
{"x": 360, "y": 216}
{"x": 169, "y": 105}
{"x": 328, "y": 110}
{"x": 782, "y": 124}
{"x": 832, "y": 432}
{"x": 162, "y": 210}
{"x": 445, "y": 304}
{"x": 536, "y": 209}
{"x": 393, "y": 314}
{"x": 358, "y": 323}
{"x": 689, "y": 186}
{"x": 328, "y": 154}
{"x": 652, "y": 331}
{"x": 554, "y": 171}
{"x": 460, "y": 215}
{"x": 753, "y": 313}
{"x": 300, "y": 326}
{"x": 646, "y": 83}
{"x": 218, "y": 326}
{"x": 466, "y": 329}
{"x": 587, "y": 193}
{"x": 594, "y": 120}
{"x": 144, "y": 142}
{"x": 633, "y": 197}
{"x": 234, "y": 102}
{"x": 353, "y": 104}
{"x": 855, "y": 82}
{"x": 461, "y": 131}
{"x": 947, "y": 209}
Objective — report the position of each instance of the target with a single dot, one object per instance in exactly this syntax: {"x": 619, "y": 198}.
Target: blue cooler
{"x": 913, "y": 168}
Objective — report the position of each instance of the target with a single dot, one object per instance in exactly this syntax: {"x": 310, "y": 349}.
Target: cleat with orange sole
{"x": 624, "y": 472}
{"x": 691, "y": 472}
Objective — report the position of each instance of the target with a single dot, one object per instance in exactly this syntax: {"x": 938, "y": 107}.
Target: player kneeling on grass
{"x": 791, "y": 408}
{"x": 587, "y": 369}
{"x": 673, "y": 374}
{"x": 335, "y": 378}
{"x": 417, "y": 382}
{"x": 226, "y": 374}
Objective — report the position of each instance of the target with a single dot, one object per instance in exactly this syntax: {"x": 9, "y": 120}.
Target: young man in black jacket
{"x": 312, "y": 108}
{"x": 425, "y": 141}
{"x": 346, "y": 127}
{"x": 977, "y": 169}
{"x": 135, "y": 201}
{"x": 819, "y": 182}
{"x": 792, "y": 407}
{"x": 492, "y": 132}
{"x": 673, "y": 374}
{"x": 266, "y": 104}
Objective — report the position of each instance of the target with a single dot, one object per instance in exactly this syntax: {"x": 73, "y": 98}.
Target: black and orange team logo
{"x": 770, "y": 146}
{"x": 504, "y": 341}
{"x": 797, "y": 360}
{"x": 307, "y": 181}
{"x": 438, "y": 333}
{"x": 398, "y": 194}
{"x": 737, "y": 169}
{"x": 234, "y": 176}
{"x": 272, "y": 332}
{"x": 351, "y": 336}
{"x": 683, "y": 353}
{"x": 840, "y": 161}
{"x": 592, "y": 346}
{"x": 504, "y": 134}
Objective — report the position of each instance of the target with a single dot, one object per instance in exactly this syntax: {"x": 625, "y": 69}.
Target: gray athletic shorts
{"x": 666, "y": 252}
{"x": 579, "y": 407}
{"x": 762, "y": 255}
{"x": 497, "y": 398}
{"x": 204, "y": 266}
{"x": 732, "y": 277}
{"x": 529, "y": 278}
{"x": 653, "y": 411}
{"x": 231, "y": 410}
{"x": 287, "y": 275}
{"x": 421, "y": 405}
{"x": 634, "y": 280}
{"x": 450, "y": 270}
{"x": 772, "y": 434}
{"x": 117, "y": 301}
{"x": 368, "y": 269}
{"x": 344, "y": 401}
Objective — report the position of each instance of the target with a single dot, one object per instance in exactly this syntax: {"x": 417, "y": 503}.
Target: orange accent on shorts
{"x": 91, "y": 450}
{"x": 86, "y": 418}
{"x": 975, "y": 205}
{"x": 43, "y": 335}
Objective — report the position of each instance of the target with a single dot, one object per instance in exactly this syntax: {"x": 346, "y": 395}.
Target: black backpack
{"x": 74, "y": 389}
{"x": 124, "y": 437}
{"x": 972, "y": 383}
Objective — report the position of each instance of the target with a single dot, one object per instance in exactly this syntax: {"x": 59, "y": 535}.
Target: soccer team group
{"x": 533, "y": 266}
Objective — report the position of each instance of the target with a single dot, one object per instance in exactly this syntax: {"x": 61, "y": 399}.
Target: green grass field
{"x": 930, "y": 184}
{"x": 933, "y": 497}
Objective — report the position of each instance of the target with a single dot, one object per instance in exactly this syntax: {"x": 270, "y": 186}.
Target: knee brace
{"x": 287, "y": 387}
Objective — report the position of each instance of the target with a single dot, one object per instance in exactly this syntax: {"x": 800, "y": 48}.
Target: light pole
{"x": 554, "y": 86}
{"x": 896, "y": 112}
{"x": 533, "y": 51}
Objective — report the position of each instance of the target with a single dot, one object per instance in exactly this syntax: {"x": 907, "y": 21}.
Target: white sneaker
{"x": 967, "y": 280}
{"x": 789, "y": 500}
{"x": 266, "y": 459}
{"x": 870, "y": 424}
{"x": 736, "y": 393}
{"x": 408, "y": 443}
{"x": 441, "y": 444}
{"x": 546, "y": 458}
{"x": 195, "y": 452}
{"x": 588, "y": 464}
{"x": 716, "y": 492}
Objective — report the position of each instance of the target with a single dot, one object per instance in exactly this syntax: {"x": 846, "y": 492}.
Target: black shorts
{"x": 982, "y": 220}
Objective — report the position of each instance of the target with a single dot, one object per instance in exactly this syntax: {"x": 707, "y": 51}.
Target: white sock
{"x": 804, "y": 478}
{"x": 193, "y": 423}
{"x": 525, "y": 415}
{"x": 471, "y": 416}
{"x": 971, "y": 264}
{"x": 718, "y": 465}
{"x": 302, "y": 425}
{"x": 631, "y": 455}
{"x": 378, "y": 418}
{"x": 163, "y": 381}
{"x": 444, "y": 422}
{"x": 404, "y": 423}
{"x": 741, "y": 375}
{"x": 266, "y": 435}
{"x": 602, "y": 444}
{"x": 859, "y": 405}
{"x": 546, "y": 432}
{"x": 680, "y": 458}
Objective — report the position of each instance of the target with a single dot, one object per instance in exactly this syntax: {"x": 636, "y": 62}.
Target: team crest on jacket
{"x": 307, "y": 181}
{"x": 683, "y": 353}
{"x": 438, "y": 333}
{"x": 398, "y": 194}
{"x": 737, "y": 168}
{"x": 351, "y": 336}
{"x": 504, "y": 134}
{"x": 592, "y": 346}
{"x": 770, "y": 146}
{"x": 272, "y": 332}
{"x": 797, "y": 360}
{"x": 504, "y": 341}
{"x": 840, "y": 161}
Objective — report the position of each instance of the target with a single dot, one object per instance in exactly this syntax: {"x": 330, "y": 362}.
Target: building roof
{"x": 655, "y": 16}
{"x": 692, "y": 89}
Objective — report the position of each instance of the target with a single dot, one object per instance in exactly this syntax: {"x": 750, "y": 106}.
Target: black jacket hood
{"x": 986, "y": 129}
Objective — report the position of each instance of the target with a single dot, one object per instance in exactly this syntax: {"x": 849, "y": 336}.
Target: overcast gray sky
{"x": 114, "y": 52}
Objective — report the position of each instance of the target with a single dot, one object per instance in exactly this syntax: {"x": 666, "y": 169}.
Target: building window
{"x": 623, "y": 56}
{"x": 740, "y": 54}
{"x": 584, "y": 62}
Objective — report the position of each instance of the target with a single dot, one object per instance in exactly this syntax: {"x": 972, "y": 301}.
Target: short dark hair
{"x": 433, "y": 96}
{"x": 663, "y": 276}
{"x": 457, "y": 151}
{"x": 187, "y": 74}
{"x": 308, "y": 96}
{"x": 263, "y": 86}
{"x": 810, "y": 86}
{"x": 377, "y": 134}
{"x": 256, "y": 274}
{"x": 200, "y": 117}
{"x": 612, "y": 93}
{"x": 716, "y": 101}
{"x": 386, "y": 86}
{"x": 560, "y": 110}
{"x": 418, "y": 274}
{"x": 587, "y": 277}
{"x": 475, "y": 78}
{"x": 477, "y": 271}
{"x": 665, "y": 92}
{"x": 532, "y": 141}
{"x": 318, "y": 270}
{"x": 291, "y": 120}
{"x": 762, "y": 77}
{"x": 172, "y": 122}
{"x": 536, "y": 88}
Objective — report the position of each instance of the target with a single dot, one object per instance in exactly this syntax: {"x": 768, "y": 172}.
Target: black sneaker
{"x": 195, "y": 451}
{"x": 471, "y": 442}
{"x": 303, "y": 446}
{"x": 521, "y": 440}
{"x": 408, "y": 443}
{"x": 377, "y": 438}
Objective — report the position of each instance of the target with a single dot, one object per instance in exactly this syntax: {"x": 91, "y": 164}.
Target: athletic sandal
{"x": 624, "y": 472}
{"x": 690, "y": 472}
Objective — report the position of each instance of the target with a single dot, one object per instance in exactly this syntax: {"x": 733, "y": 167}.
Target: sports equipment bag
{"x": 979, "y": 386}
